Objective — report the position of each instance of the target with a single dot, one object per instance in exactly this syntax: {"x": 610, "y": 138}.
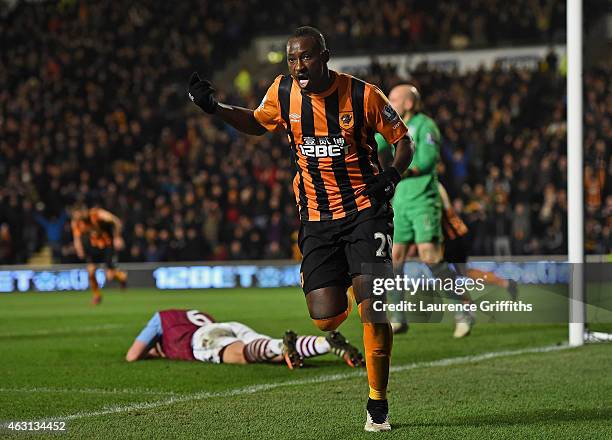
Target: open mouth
{"x": 302, "y": 80}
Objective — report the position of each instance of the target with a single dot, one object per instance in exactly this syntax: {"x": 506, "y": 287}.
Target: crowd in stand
{"x": 88, "y": 91}
{"x": 367, "y": 25}
{"x": 93, "y": 110}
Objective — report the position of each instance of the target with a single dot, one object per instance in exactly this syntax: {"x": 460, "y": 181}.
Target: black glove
{"x": 382, "y": 185}
{"x": 201, "y": 92}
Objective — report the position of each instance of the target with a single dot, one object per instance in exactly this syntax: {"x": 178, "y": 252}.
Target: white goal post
{"x": 575, "y": 197}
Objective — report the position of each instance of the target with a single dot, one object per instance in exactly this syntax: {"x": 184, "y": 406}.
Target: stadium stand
{"x": 366, "y": 25}
{"x": 94, "y": 111}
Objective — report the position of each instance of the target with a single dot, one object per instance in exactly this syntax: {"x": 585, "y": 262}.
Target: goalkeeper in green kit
{"x": 417, "y": 205}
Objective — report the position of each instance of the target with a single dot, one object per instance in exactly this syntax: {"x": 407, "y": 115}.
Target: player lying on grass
{"x": 193, "y": 335}
{"x": 97, "y": 237}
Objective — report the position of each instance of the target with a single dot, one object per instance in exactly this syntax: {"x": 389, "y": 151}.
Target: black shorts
{"x": 335, "y": 251}
{"x": 106, "y": 256}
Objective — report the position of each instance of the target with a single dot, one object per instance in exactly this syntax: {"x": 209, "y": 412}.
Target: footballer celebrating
{"x": 97, "y": 236}
{"x": 342, "y": 193}
{"x": 192, "y": 335}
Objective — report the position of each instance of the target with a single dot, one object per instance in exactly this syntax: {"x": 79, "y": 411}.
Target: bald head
{"x": 405, "y": 99}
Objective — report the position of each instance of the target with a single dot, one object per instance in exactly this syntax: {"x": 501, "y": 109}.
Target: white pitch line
{"x": 57, "y": 331}
{"x": 116, "y": 409}
{"x": 87, "y": 391}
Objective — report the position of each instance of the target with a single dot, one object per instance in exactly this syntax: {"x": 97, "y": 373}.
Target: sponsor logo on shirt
{"x": 389, "y": 114}
{"x": 323, "y": 146}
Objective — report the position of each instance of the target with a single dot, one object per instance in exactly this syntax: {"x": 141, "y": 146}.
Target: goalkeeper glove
{"x": 382, "y": 185}
{"x": 201, "y": 92}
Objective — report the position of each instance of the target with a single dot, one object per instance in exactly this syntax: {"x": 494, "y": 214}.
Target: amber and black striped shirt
{"x": 332, "y": 140}
{"x": 92, "y": 227}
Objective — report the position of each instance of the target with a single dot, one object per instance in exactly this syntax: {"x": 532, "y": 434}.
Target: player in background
{"x": 417, "y": 204}
{"x": 193, "y": 335}
{"x": 97, "y": 236}
{"x": 423, "y": 212}
{"x": 341, "y": 191}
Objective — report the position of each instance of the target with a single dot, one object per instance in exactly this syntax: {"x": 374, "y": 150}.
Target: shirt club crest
{"x": 346, "y": 120}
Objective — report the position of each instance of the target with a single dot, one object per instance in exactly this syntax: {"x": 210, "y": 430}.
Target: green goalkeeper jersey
{"x": 426, "y": 137}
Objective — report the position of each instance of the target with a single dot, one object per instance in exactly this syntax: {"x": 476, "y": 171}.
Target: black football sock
{"x": 378, "y": 410}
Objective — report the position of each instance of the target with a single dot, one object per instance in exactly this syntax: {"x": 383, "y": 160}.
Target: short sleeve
{"x": 381, "y": 117}
{"x": 268, "y": 112}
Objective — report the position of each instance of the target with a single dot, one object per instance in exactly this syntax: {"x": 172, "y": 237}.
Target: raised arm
{"x": 240, "y": 118}
{"x": 202, "y": 93}
{"x": 41, "y": 220}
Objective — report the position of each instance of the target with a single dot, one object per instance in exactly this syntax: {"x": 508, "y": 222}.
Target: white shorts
{"x": 209, "y": 340}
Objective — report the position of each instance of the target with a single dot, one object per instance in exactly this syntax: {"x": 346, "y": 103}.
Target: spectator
{"x": 521, "y": 229}
{"x": 54, "y": 228}
{"x": 6, "y": 246}
{"x": 500, "y": 229}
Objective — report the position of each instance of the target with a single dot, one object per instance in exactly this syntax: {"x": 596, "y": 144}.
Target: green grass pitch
{"x": 61, "y": 357}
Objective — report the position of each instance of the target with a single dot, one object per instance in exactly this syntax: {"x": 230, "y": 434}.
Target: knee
{"x": 328, "y": 306}
{"x": 430, "y": 253}
{"x": 130, "y": 357}
{"x": 329, "y": 324}
{"x": 326, "y": 325}
{"x": 430, "y": 259}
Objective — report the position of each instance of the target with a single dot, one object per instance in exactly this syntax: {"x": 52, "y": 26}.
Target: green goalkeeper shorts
{"x": 421, "y": 223}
